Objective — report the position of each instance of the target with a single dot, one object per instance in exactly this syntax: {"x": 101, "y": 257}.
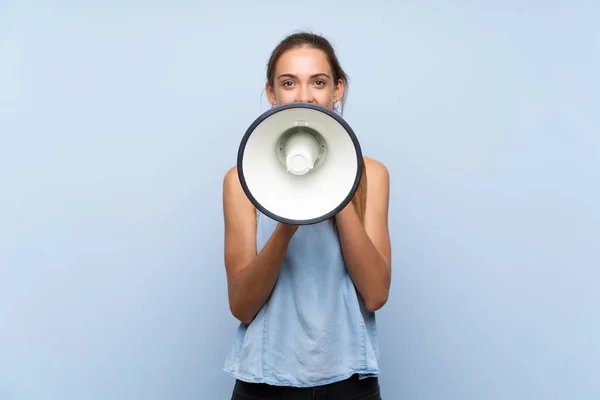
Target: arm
{"x": 250, "y": 276}
{"x": 367, "y": 249}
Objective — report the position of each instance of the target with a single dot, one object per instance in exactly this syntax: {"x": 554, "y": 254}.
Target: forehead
{"x": 303, "y": 60}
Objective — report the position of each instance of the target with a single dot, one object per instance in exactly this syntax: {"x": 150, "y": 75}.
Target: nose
{"x": 305, "y": 96}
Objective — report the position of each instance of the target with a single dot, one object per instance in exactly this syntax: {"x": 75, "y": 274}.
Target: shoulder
{"x": 377, "y": 184}
{"x": 231, "y": 177}
{"x": 233, "y": 194}
{"x": 231, "y": 183}
{"x": 377, "y": 172}
{"x": 236, "y": 204}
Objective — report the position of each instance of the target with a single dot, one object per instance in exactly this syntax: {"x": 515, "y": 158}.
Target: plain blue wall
{"x": 118, "y": 121}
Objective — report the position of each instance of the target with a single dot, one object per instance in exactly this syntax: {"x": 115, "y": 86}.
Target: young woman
{"x": 306, "y": 296}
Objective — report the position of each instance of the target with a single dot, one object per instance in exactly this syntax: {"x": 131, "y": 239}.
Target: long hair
{"x": 307, "y": 39}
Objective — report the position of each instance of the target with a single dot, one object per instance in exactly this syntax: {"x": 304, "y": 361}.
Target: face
{"x": 304, "y": 75}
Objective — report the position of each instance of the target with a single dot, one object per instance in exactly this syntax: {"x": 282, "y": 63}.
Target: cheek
{"x": 324, "y": 98}
{"x": 285, "y": 95}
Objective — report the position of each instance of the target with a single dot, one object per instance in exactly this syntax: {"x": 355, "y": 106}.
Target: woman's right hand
{"x": 287, "y": 228}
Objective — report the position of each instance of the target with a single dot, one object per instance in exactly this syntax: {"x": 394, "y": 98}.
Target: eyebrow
{"x": 312, "y": 76}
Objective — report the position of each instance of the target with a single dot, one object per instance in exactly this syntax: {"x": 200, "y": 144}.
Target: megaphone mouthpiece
{"x": 302, "y": 151}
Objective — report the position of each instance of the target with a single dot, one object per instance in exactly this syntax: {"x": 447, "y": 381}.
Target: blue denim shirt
{"x": 314, "y": 328}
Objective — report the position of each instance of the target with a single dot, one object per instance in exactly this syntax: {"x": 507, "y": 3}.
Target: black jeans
{"x": 349, "y": 389}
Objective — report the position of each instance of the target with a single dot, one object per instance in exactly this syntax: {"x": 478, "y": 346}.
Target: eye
{"x": 287, "y": 83}
{"x": 320, "y": 83}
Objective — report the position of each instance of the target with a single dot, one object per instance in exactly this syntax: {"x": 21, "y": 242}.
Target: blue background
{"x": 118, "y": 120}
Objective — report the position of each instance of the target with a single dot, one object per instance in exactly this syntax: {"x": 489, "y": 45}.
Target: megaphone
{"x": 300, "y": 163}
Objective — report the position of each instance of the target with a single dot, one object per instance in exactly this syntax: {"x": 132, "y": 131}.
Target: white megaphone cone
{"x": 300, "y": 163}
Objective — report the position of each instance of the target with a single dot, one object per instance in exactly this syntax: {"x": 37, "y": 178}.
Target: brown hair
{"x": 307, "y": 39}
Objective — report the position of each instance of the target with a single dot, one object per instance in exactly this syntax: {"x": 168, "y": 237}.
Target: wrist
{"x": 286, "y": 230}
